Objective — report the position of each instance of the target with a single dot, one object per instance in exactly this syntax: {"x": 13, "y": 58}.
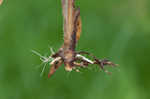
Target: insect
{"x": 67, "y": 53}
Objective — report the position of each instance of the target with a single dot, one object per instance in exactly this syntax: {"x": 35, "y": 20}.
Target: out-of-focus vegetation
{"x": 118, "y": 29}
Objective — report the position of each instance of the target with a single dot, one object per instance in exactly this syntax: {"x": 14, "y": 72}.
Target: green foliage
{"x": 118, "y": 29}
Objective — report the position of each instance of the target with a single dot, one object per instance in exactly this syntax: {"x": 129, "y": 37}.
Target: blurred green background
{"x": 115, "y": 29}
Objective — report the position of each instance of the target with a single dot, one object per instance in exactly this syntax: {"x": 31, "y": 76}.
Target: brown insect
{"x": 67, "y": 54}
